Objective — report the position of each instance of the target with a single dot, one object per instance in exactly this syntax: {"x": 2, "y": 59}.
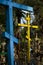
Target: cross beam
{"x": 5, "y": 34}
{"x": 9, "y": 26}
{"x": 25, "y": 25}
{"x": 28, "y": 33}
{"x": 16, "y": 5}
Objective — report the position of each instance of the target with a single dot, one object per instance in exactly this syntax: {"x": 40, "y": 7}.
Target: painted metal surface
{"x": 16, "y": 5}
{"x": 28, "y": 33}
{"x": 8, "y": 34}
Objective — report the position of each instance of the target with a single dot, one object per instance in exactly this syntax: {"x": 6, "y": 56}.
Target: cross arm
{"x": 15, "y": 40}
{"x": 24, "y": 25}
{"x": 7, "y": 35}
{"x": 20, "y": 6}
{"x": 3, "y": 2}
{"x": 37, "y": 38}
{"x": 34, "y": 26}
{"x": 16, "y": 5}
{"x": 28, "y": 38}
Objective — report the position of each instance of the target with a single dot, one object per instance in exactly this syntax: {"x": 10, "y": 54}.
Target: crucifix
{"x": 8, "y": 34}
{"x": 28, "y": 33}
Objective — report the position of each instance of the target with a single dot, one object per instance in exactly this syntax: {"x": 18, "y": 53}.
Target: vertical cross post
{"x": 28, "y": 35}
{"x": 9, "y": 34}
{"x": 9, "y": 29}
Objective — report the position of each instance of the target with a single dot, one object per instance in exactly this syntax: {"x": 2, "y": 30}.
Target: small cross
{"x": 36, "y": 38}
{"x": 28, "y": 33}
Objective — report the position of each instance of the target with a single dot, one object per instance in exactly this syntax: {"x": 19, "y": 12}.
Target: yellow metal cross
{"x": 28, "y": 33}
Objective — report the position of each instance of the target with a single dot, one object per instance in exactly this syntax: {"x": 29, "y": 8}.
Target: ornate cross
{"x": 28, "y": 33}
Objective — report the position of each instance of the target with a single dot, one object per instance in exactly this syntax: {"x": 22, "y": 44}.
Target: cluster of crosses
{"x": 8, "y": 34}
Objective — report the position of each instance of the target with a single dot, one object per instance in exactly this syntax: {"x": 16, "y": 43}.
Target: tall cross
{"x": 28, "y": 33}
{"x": 9, "y": 26}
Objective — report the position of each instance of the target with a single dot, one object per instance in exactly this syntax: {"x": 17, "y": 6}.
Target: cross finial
{"x": 28, "y": 17}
